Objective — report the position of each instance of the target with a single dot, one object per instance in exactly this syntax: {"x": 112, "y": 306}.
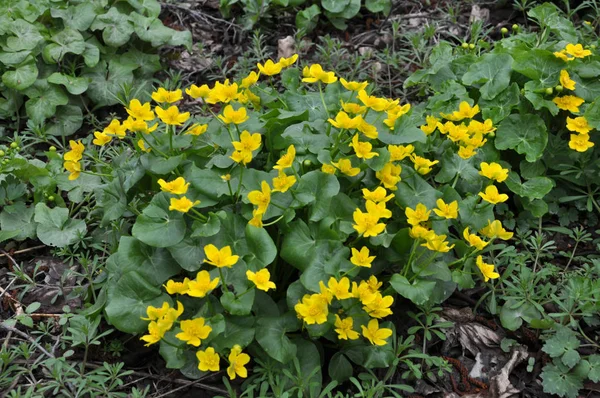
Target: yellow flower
{"x": 142, "y": 146}
{"x": 376, "y": 335}
{"x": 285, "y": 62}
{"x": 226, "y": 177}
{"x": 394, "y": 114}
{"x": 343, "y": 121}
{"x": 138, "y": 126}
{"x": 493, "y": 171}
{"x": 177, "y": 187}
{"x": 578, "y": 142}
{"x": 389, "y": 175}
{"x": 283, "y": 182}
{"x": 324, "y": 295}
{"x": 362, "y": 149}
{"x": 237, "y": 361}
{"x": 465, "y": 111}
{"x": 161, "y": 95}
{"x": 448, "y": 211}
{"x": 76, "y": 152}
{"x": 487, "y": 270}
{"x": 101, "y": 138}
{"x": 197, "y": 129}
{"x": 353, "y": 86}
{"x": 566, "y": 81}
{"x": 494, "y": 229}
{"x": 476, "y": 127}
{"x": 193, "y": 331}
{"x": 230, "y": 115}
{"x": 156, "y": 313}
{"x": 361, "y": 258}
{"x": 261, "y": 279}
{"x": 223, "y": 92}
{"x": 220, "y": 258}
{"x": 363, "y": 292}
{"x": 466, "y": 152}
{"x": 379, "y": 306}
{"x": 198, "y": 92}
{"x": 422, "y": 165}
{"x": 156, "y": 331}
{"x": 562, "y": 54}
{"x": 378, "y": 209}
{"x": 243, "y": 157}
{"x": 340, "y": 289}
{"x": 569, "y": 103}
{"x": 437, "y": 243}
{"x": 354, "y": 108}
{"x": 312, "y": 309}
{"x": 399, "y": 152}
{"x": 578, "y": 125}
{"x": 115, "y": 129}
{"x": 430, "y": 126}
{"x": 367, "y": 129}
{"x": 172, "y": 116}
{"x": 343, "y": 327}
{"x": 457, "y": 133}
{"x": 202, "y": 285}
{"x": 418, "y": 215}
{"x": 208, "y": 360}
{"x": 250, "y": 80}
{"x": 345, "y": 166}
{"x": 372, "y": 102}
{"x": 261, "y": 198}
{"x": 138, "y": 111}
{"x": 182, "y": 205}
{"x": 329, "y": 169}
{"x": 577, "y": 51}
{"x": 256, "y": 219}
{"x": 315, "y": 73}
{"x": 248, "y": 142}
{"x": 420, "y": 232}
{"x": 474, "y": 240}
{"x": 377, "y": 195}
{"x": 74, "y": 168}
{"x": 270, "y": 68}
{"x": 173, "y": 287}
{"x": 287, "y": 159}
{"x": 491, "y": 195}
{"x": 367, "y": 224}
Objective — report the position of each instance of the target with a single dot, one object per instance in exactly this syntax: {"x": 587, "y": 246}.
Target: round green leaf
{"x": 525, "y": 133}
{"x": 22, "y": 77}
{"x": 74, "y": 85}
{"x": 157, "y": 226}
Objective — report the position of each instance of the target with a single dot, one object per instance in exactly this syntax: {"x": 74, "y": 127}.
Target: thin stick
{"x": 29, "y": 249}
{"x": 26, "y": 336}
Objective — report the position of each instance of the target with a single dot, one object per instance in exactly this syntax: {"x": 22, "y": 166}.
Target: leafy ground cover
{"x": 292, "y": 229}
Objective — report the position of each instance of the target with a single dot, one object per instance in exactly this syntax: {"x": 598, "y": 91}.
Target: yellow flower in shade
{"x": 250, "y": 80}
{"x": 202, "y": 285}
{"x": 286, "y": 160}
{"x": 172, "y": 116}
{"x": 437, "y": 243}
{"x": 74, "y": 168}
{"x": 422, "y": 165}
{"x": 173, "y": 287}
{"x": 494, "y": 229}
{"x": 156, "y": 331}
{"x": 493, "y": 171}
{"x": 231, "y": 115}
{"x": 577, "y": 51}
{"x": 101, "y": 139}
{"x": 220, "y": 258}
{"x": 578, "y": 125}
{"x": 457, "y": 133}
{"x": 138, "y": 111}
{"x": 373, "y": 284}
{"x": 372, "y": 102}
{"x": 340, "y": 289}
{"x": 343, "y": 121}
{"x": 248, "y": 142}
{"x": 367, "y": 224}
{"x": 208, "y": 360}
{"x": 378, "y": 195}
{"x": 237, "y": 363}
{"x": 376, "y": 335}
{"x": 243, "y": 157}
{"x": 285, "y": 62}
{"x": 177, "y": 187}
{"x": 492, "y": 196}
{"x": 329, "y": 169}
{"x": 261, "y": 198}
{"x": 161, "y": 95}
{"x": 399, "y": 152}
{"x": 367, "y": 129}
{"x": 379, "y": 306}
{"x": 562, "y": 55}
{"x": 315, "y": 73}
{"x": 269, "y": 68}
{"x": 363, "y": 292}
{"x": 394, "y": 114}
{"x": 476, "y": 127}
{"x": 283, "y": 182}
{"x": 261, "y": 279}
{"x": 389, "y": 175}
{"x": 566, "y": 81}
{"x": 569, "y": 103}
{"x": 417, "y": 215}
{"x": 474, "y": 240}
{"x": 362, "y": 149}
{"x": 353, "y": 86}
{"x": 142, "y": 145}
{"x": 354, "y": 108}
{"x": 578, "y": 142}
{"x": 197, "y": 129}
{"x": 446, "y": 210}
{"x": 156, "y": 313}
{"x": 256, "y": 219}
{"x": 193, "y": 331}
{"x": 420, "y": 232}
{"x": 198, "y": 92}
{"x": 475, "y": 140}
{"x": 138, "y": 126}
{"x": 343, "y": 327}
{"x": 430, "y": 126}
{"x": 76, "y": 152}
{"x": 487, "y": 270}
{"x": 324, "y": 294}
{"x": 312, "y": 310}
{"x": 467, "y": 152}
{"x": 361, "y": 258}
{"x": 182, "y": 205}
{"x": 345, "y": 166}
{"x": 378, "y": 209}
{"x": 115, "y": 128}
{"x": 223, "y": 92}
{"x": 465, "y": 111}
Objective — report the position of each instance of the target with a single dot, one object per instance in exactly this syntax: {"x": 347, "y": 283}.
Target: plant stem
{"x": 239, "y": 188}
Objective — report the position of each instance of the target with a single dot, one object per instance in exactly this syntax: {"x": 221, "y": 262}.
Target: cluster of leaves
{"x": 308, "y": 13}
{"x": 57, "y": 57}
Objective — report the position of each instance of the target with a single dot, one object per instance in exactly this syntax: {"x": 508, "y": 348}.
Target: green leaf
{"x": 43, "y": 100}
{"x": 271, "y": 336}
{"x": 335, "y": 6}
{"x": 173, "y": 356}
{"x": 452, "y": 164}
{"x": 154, "y": 264}
{"x": 340, "y": 368}
{"x": 260, "y": 244}
{"x": 417, "y": 291}
{"x": 383, "y": 6}
{"x": 306, "y": 20}
{"x": 22, "y": 77}
{"x": 413, "y": 190}
{"x": 594, "y": 372}
{"x": 62, "y": 43}
{"x": 405, "y": 132}
{"x": 513, "y": 314}
{"x": 18, "y": 218}
{"x": 74, "y": 85}
{"x": 560, "y": 382}
{"x": 67, "y": 121}
{"x": 108, "y": 79}
{"x": 534, "y": 188}
{"x": 524, "y": 133}
{"x": 317, "y": 189}
{"x": 79, "y": 17}
{"x": 238, "y": 330}
{"x": 539, "y": 65}
{"x": 304, "y": 138}
{"x": 238, "y": 306}
{"x": 91, "y": 54}
{"x": 56, "y": 228}
{"x": 493, "y": 70}
{"x": 158, "y": 226}
{"x": 564, "y": 345}
{"x": 159, "y": 165}
{"x": 501, "y": 106}
{"x": 548, "y": 16}
{"x": 26, "y": 36}
{"x": 592, "y": 114}
{"x": 115, "y": 26}
{"x": 188, "y": 253}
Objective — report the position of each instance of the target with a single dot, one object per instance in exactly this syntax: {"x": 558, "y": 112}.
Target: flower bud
{"x": 471, "y": 46}
{"x": 2, "y": 153}
{"x": 14, "y": 145}
{"x": 307, "y": 163}
{"x": 504, "y": 31}
{"x": 559, "y": 88}
{"x": 515, "y": 28}
{"x": 52, "y": 148}
{"x": 50, "y": 198}
{"x": 465, "y": 45}
{"x": 549, "y": 91}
